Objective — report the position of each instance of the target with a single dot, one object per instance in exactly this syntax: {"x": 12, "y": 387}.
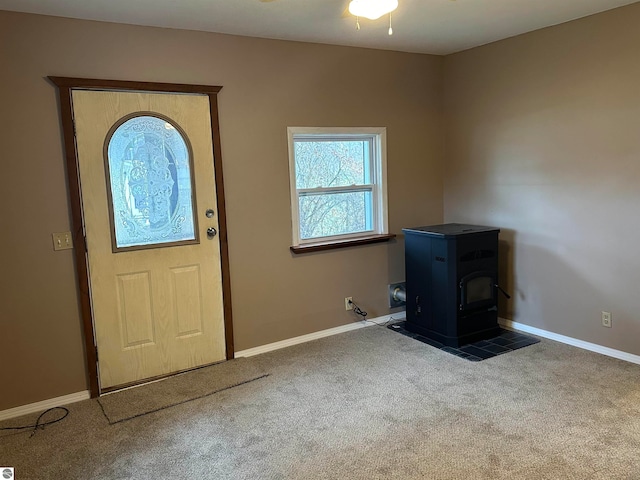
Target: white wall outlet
{"x": 348, "y": 303}
{"x": 62, "y": 241}
{"x": 606, "y": 319}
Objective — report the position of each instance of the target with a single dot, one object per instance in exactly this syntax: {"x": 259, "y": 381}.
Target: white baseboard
{"x": 79, "y": 396}
{"x": 321, "y": 334}
{"x": 593, "y": 347}
{"x": 44, "y": 405}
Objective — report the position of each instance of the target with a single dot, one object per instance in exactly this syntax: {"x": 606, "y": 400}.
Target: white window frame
{"x": 378, "y": 186}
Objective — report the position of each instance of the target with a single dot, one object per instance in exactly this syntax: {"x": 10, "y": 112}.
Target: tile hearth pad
{"x": 507, "y": 341}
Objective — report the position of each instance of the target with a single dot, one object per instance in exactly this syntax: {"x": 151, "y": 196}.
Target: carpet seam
{"x": 178, "y": 403}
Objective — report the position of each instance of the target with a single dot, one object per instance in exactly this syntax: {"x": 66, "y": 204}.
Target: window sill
{"x": 317, "y": 247}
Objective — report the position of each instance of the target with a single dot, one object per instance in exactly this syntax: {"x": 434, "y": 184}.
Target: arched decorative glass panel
{"x": 148, "y": 162}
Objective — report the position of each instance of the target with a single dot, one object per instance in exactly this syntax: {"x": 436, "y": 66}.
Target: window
{"x": 338, "y": 189}
{"x": 149, "y": 181}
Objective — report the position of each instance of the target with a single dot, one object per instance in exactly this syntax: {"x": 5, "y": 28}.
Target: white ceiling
{"x": 422, "y": 26}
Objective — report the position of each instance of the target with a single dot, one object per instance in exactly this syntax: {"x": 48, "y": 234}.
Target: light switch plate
{"x": 62, "y": 241}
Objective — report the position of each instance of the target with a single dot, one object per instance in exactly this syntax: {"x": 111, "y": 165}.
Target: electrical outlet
{"x": 606, "y": 319}
{"x": 348, "y": 303}
{"x": 62, "y": 241}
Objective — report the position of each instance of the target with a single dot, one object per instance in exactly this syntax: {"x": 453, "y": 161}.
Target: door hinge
{"x": 96, "y": 354}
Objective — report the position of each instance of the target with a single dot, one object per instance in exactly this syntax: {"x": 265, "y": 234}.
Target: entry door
{"x": 148, "y": 198}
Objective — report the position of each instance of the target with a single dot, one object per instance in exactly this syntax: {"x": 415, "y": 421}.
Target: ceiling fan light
{"x": 372, "y": 9}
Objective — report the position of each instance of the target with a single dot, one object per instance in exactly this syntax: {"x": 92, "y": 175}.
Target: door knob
{"x": 211, "y": 232}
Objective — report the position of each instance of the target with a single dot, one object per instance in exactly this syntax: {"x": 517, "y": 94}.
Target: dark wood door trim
{"x": 65, "y": 86}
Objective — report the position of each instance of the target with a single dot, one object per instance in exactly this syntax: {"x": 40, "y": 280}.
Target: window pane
{"x": 329, "y": 214}
{"x": 150, "y": 180}
{"x": 332, "y": 163}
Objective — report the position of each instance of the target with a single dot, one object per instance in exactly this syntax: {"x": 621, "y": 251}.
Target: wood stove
{"x": 452, "y": 282}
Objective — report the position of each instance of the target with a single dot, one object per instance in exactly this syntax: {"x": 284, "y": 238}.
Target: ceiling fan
{"x": 371, "y": 9}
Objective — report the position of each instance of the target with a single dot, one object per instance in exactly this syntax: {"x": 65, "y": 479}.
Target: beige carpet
{"x": 133, "y": 402}
{"x": 369, "y": 404}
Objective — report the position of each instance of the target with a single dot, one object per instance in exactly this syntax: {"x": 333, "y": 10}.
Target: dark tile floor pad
{"x": 507, "y": 341}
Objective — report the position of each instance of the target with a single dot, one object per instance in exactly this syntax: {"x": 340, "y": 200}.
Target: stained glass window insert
{"x": 149, "y": 172}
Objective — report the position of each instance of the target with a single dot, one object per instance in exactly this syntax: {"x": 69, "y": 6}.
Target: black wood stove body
{"x": 452, "y": 282}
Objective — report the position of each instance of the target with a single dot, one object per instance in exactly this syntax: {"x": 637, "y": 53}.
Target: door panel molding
{"x": 65, "y": 85}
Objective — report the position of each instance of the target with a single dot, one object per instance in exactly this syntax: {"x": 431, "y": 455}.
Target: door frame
{"x": 65, "y": 86}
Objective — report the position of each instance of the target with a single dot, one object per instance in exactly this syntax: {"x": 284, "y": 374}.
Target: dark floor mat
{"x": 507, "y": 341}
{"x": 178, "y": 389}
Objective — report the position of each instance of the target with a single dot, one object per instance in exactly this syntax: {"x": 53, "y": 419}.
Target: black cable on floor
{"x": 39, "y": 425}
{"x": 388, "y": 322}
{"x": 363, "y": 314}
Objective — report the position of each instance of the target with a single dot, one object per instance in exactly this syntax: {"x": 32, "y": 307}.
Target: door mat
{"x": 185, "y": 387}
{"x": 507, "y": 341}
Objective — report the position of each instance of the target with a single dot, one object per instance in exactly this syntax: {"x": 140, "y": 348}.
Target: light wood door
{"x": 157, "y": 308}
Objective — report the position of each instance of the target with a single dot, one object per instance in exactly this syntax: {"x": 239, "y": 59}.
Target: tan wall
{"x": 543, "y": 141}
{"x": 267, "y": 86}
